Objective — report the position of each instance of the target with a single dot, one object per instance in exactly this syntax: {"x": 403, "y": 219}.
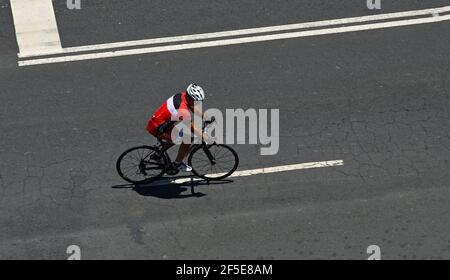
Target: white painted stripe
{"x": 241, "y": 32}
{"x": 36, "y": 28}
{"x": 268, "y": 170}
{"x": 234, "y": 41}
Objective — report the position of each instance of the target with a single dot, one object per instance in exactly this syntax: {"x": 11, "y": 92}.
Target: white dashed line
{"x": 260, "y": 171}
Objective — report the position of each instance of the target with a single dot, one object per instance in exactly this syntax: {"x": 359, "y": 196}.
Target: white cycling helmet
{"x": 196, "y": 92}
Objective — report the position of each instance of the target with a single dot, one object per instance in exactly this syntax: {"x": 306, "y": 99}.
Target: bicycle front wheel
{"x": 213, "y": 162}
{"x": 141, "y": 164}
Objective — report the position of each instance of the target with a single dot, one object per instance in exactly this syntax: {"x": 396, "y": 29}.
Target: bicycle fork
{"x": 209, "y": 155}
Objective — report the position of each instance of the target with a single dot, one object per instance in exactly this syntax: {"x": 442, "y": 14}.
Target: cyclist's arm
{"x": 199, "y": 133}
{"x": 199, "y": 112}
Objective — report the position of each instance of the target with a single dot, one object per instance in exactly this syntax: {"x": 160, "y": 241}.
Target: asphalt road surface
{"x": 379, "y": 100}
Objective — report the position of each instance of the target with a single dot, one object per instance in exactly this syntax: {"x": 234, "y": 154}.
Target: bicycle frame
{"x": 164, "y": 164}
{"x": 191, "y": 148}
{"x": 205, "y": 148}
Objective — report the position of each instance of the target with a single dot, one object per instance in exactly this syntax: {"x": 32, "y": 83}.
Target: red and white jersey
{"x": 173, "y": 110}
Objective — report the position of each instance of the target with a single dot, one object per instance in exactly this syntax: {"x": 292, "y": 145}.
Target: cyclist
{"x": 175, "y": 109}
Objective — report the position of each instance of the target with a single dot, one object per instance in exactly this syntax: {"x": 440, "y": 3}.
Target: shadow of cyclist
{"x": 167, "y": 192}
{"x": 165, "y": 188}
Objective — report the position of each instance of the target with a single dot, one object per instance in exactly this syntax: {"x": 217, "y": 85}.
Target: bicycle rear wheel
{"x": 213, "y": 162}
{"x": 141, "y": 164}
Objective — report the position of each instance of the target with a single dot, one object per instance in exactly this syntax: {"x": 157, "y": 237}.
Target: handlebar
{"x": 208, "y": 122}
{"x": 213, "y": 119}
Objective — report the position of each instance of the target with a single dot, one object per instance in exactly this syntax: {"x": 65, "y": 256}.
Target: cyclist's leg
{"x": 166, "y": 143}
{"x": 167, "y": 137}
{"x": 182, "y": 152}
{"x": 166, "y": 146}
{"x": 172, "y": 131}
{"x": 164, "y": 135}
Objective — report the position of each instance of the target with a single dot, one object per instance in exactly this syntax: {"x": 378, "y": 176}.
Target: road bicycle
{"x": 144, "y": 164}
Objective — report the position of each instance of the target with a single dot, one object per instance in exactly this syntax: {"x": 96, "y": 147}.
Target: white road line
{"x": 36, "y": 28}
{"x": 391, "y": 24}
{"x": 259, "y": 30}
{"x": 268, "y": 170}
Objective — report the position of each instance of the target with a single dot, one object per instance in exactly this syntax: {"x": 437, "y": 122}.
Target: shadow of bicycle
{"x": 167, "y": 188}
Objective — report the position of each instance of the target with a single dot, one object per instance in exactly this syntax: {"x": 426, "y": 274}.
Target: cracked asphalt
{"x": 379, "y": 100}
